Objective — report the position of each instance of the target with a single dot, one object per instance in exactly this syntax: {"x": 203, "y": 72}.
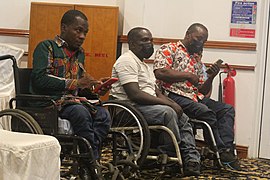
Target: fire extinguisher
{"x": 227, "y": 91}
{"x": 228, "y": 95}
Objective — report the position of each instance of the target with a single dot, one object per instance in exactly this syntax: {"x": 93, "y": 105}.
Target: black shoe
{"x": 84, "y": 173}
{"x": 192, "y": 168}
{"x": 234, "y": 165}
{"x": 228, "y": 159}
{"x": 96, "y": 171}
{"x": 173, "y": 169}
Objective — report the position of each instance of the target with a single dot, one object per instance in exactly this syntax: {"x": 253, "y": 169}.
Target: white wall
{"x": 169, "y": 19}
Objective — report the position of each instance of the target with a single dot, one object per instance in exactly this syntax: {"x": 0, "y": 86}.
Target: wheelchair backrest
{"x": 22, "y": 80}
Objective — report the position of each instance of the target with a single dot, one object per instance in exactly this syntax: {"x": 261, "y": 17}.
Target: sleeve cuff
{"x": 71, "y": 84}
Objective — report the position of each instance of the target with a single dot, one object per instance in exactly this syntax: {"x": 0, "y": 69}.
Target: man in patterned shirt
{"x": 58, "y": 72}
{"x": 180, "y": 73}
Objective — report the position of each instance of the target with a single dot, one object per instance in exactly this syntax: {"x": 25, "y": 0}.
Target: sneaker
{"x": 228, "y": 159}
{"x": 192, "y": 168}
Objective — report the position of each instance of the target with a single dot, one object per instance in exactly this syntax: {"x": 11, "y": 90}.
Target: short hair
{"x": 70, "y": 16}
{"x": 133, "y": 33}
{"x": 194, "y": 27}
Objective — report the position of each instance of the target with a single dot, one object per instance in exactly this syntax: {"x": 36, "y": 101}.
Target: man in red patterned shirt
{"x": 181, "y": 74}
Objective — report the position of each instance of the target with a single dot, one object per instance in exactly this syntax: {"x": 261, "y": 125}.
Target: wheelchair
{"x": 123, "y": 151}
{"x": 208, "y": 150}
{"x": 140, "y": 136}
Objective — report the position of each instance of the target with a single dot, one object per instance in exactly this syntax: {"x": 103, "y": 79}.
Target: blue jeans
{"x": 94, "y": 128}
{"x": 219, "y": 116}
{"x": 165, "y": 115}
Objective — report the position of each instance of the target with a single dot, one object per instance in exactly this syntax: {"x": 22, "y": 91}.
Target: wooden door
{"x": 101, "y": 42}
{"x": 44, "y": 23}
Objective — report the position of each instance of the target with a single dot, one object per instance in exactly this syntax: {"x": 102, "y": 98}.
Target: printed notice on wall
{"x": 243, "y": 18}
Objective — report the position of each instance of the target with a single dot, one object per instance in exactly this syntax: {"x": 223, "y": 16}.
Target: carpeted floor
{"x": 251, "y": 169}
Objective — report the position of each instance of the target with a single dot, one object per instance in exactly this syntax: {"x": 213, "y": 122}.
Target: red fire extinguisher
{"x": 228, "y": 94}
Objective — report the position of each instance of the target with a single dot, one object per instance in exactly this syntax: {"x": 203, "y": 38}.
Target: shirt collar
{"x": 179, "y": 43}
{"x": 183, "y": 47}
{"x": 62, "y": 43}
{"x": 135, "y": 57}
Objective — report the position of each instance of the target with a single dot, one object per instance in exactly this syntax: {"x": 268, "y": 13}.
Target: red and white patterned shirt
{"x": 176, "y": 57}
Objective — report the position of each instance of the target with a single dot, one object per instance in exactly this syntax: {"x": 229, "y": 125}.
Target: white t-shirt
{"x": 129, "y": 68}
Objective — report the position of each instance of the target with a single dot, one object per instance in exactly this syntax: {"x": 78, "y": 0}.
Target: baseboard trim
{"x": 242, "y": 151}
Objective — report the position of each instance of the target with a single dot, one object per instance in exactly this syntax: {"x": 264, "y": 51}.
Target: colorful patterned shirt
{"x": 56, "y": 70}
{"x": 176, "y": 57}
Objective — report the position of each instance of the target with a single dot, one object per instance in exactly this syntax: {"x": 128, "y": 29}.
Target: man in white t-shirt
{"x": 137, "y": 84}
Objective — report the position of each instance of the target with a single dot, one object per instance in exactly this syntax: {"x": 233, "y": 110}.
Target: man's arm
{"x": 163, "y": 67}
{"x": 172, "y": 76}
{"x": 40, "y": 77}
{"x": 207, "y": 86}
{"x": 48, "y": 83}
{"x": 138, "y": 96}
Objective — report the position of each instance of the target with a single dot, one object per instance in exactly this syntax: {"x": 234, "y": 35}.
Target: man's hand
{"x": 177, "y": 109}
{"x": 214, "y": 71}
{"x": 87, "y": 82}
{"x": 193, "y": 79}
{"x": 102, "y": 91}
{"x": 169, "y": 102}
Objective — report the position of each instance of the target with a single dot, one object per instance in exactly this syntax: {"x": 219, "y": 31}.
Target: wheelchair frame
{"x": 35, "y": 124}
{"x": 135, "y": 153}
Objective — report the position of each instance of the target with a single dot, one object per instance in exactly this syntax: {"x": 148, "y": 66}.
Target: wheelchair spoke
{"x": 125, "y": 119}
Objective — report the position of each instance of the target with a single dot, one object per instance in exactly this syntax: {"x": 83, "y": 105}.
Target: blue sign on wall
{"x": 244, "y": 12}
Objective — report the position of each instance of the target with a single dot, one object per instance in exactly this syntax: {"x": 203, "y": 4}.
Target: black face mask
{"x": 147, "y": 50}
{"x": 194, "y": 48}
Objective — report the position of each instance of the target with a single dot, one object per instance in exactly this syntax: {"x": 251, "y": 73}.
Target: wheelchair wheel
{"x": 129, "y": 122}
{"x": 21, "y": 121}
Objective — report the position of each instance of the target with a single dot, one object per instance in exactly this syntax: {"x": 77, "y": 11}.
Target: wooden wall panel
{"x": 245, "y": 46}
{"x": 44, "y": 23}
{"x": 100, "y": 44}
{"x": 25, "y": 33}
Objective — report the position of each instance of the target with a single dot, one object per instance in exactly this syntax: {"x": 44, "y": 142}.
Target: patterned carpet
{"x": 251, "y": 169}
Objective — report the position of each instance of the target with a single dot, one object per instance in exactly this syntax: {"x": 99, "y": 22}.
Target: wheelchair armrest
{"x": 116, "y": 100}
{"x": 31, "y": 97}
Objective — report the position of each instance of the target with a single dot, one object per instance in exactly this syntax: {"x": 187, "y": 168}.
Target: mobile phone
{"x": 218, "y": 62}
{"x": 105, "y": 84}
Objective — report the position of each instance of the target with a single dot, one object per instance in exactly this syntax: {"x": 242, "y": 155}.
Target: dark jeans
{"x": 219, "y": 116}
{"x": 92, "y": 127}
{"x": 181, "y": 128}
